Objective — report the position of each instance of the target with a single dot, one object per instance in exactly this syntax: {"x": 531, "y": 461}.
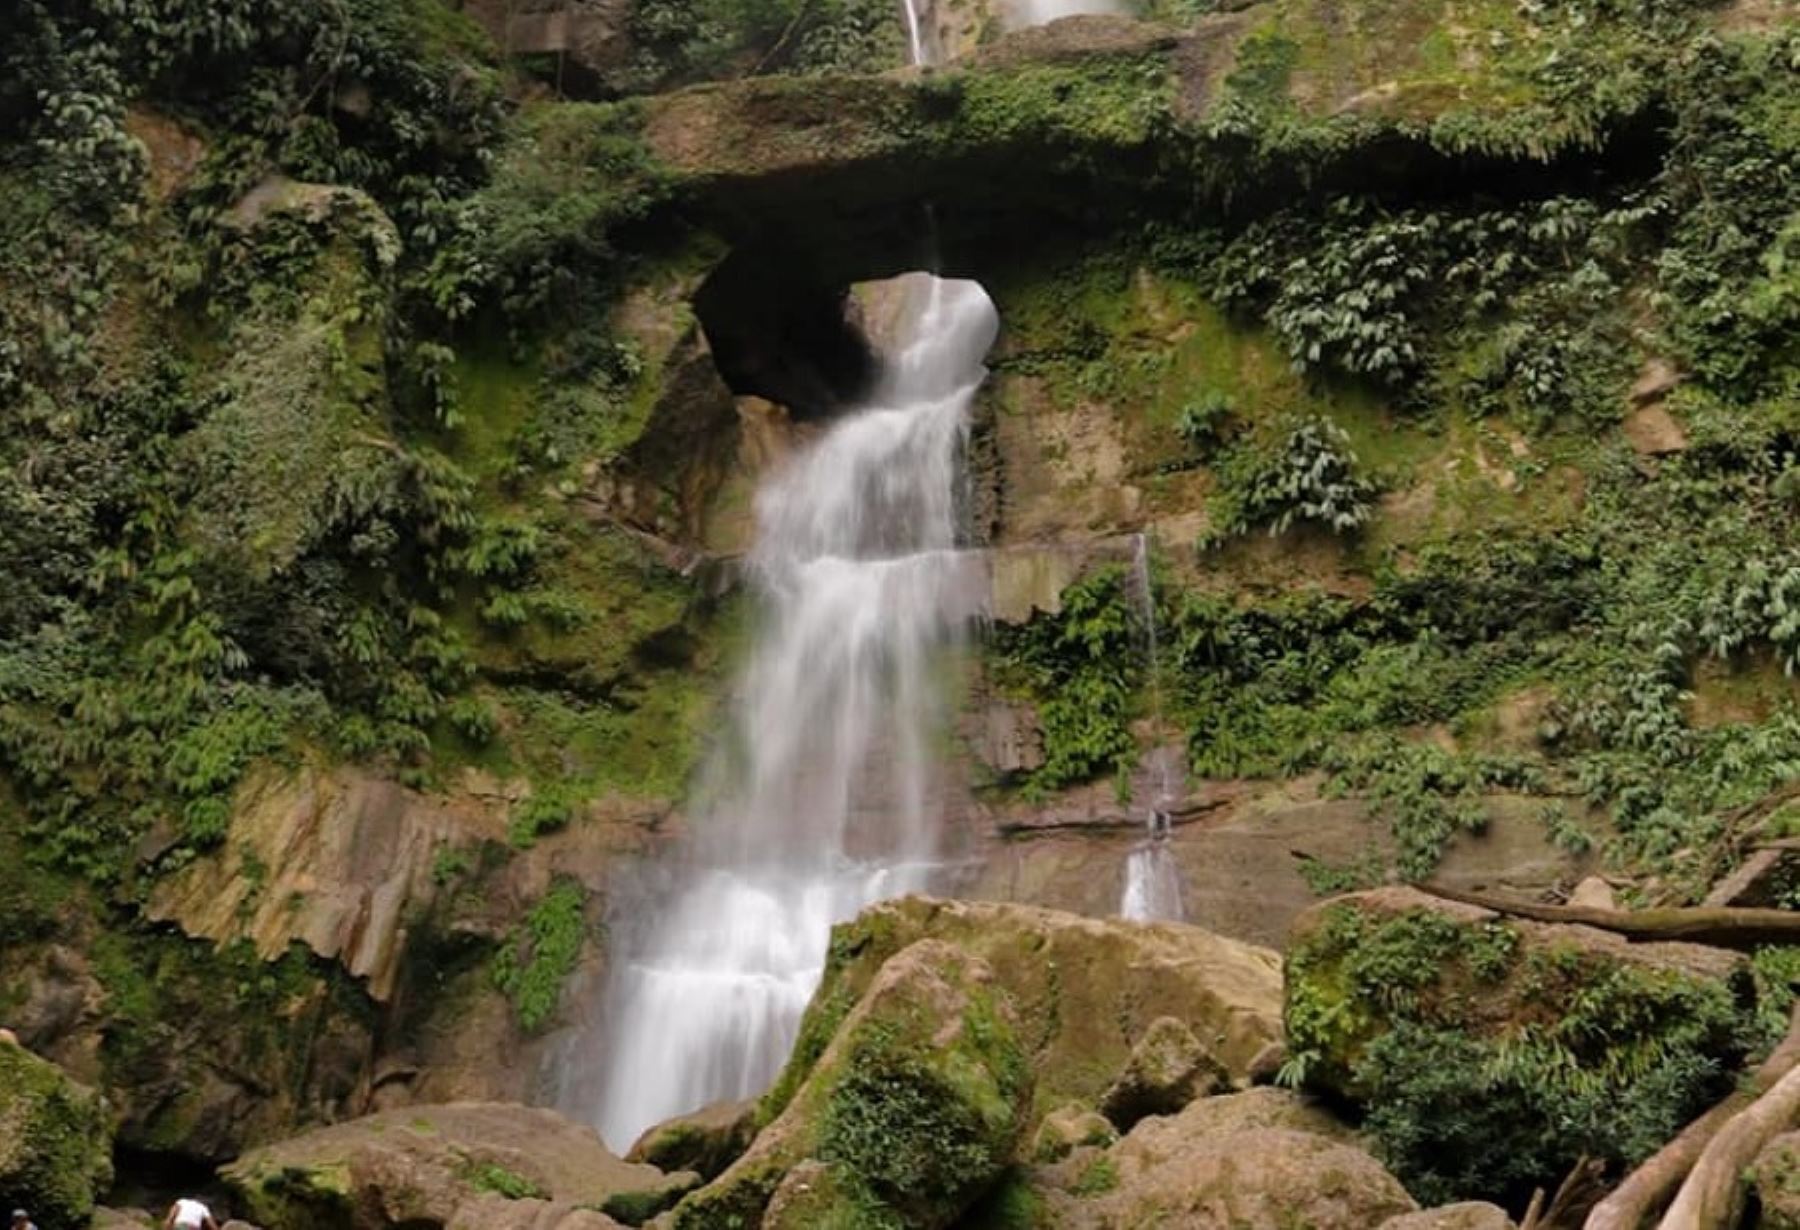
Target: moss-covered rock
{"x": 1169, "y": 1067}
{"x": 1088, "y": 988}
{"x": 705, "y": 1142}
{"x": 55, "y": 1141}
{"x": 913, "y": 1108}
{"x": 1265, "y": 1177}
{"x": 1775, "y": 1176}
{"x": 424, "y": 1166}
{"x": 1469, "y": 1215}
{"x": 1491, "y": 1053}
{"x": 1068, "y": 1128}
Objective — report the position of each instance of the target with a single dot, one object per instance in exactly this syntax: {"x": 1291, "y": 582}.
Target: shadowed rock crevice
{"x": 779, "y": 331}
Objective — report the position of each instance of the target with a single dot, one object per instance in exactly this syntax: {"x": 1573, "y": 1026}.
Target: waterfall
{"x": 822, "y": 795}
{"x": 1152, "y": 876}
{"x": 861, "y": 585}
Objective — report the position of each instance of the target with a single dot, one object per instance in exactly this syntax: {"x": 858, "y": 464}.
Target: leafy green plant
{"x": 1578, "y": 1054}
{"x": 1311, "y": 476}
{"x": 1205, "y": 423}
{"x": 1081, "y": 667}
{"x": 538, "y": 957}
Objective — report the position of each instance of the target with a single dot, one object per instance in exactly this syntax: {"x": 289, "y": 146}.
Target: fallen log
{"x": 1721, "y": 926}
{"x": 1649, "y": 1187}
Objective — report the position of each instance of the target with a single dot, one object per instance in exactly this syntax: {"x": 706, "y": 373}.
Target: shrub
{"x": 540, "y": 954}
{"x": 1311, "y": 476}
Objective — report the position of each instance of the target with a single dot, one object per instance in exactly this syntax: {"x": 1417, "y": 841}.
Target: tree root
{"x": 1712, "y": 1197}
{"x": 1650, "y": 1185}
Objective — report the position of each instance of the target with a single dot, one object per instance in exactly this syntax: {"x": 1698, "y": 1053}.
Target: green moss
{"x": 297, "y": 1198}
{"x": 1102, "y": 103}
{"x": 1097, "y": 1178}
{"x": 824, "y": 1013}
{"x": 55, "y": 1141}
{"x": 1487, "y": 1066}
{"x": 1010, "y": 1204}
{"x": 542, "y": 952}
{"x": 637, "y": 1208}
{"x": 493, "y": 1177}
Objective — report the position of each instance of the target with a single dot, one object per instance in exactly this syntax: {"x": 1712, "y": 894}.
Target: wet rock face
{"x": 462, "y": 1165}
{"x": 55, "y": 1140}
{"x": 912, "y": 1110}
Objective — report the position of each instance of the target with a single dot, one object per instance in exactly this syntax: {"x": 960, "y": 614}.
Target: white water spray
{"x": 862, "y": 586}
{"x": 1152, "y": 876}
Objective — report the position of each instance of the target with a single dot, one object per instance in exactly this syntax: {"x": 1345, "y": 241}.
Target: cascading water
{"x": 862, "y": 585}
{"x": 857, "y": 568}
{"x": 1152, "y": 877}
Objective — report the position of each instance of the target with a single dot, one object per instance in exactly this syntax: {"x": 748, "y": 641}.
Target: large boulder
{"x": 1254, "y": 1110}
{"x": 914, "y": 1107}
{"x": 1263, "y": 1179}
{"x": 705, "y": 1141}
{"x": 1264, "y": 1159}
{"x": 1490, "y": 1053}
{"x": 1168, "y": 1068}
{"x": 55, "y": 1141}
{"x": 1090, "y": 987}
{"x": 465, "y": 1164}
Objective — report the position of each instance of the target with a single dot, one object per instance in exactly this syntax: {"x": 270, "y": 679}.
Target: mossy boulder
{"x": 1227, "y": 1114}
{"x": 1068, "y": 1128}
{"x": 55, "y": 1141}
{"x": 1089, "y": 987}
{"x": 705, "y": 1142}
{"x": 1268, "y": 1178}
{"x": 1491, "y": 1053}
{"x": 1775, "y": 1175}
{"x": 431, "y": 1166}
{"x": 910, "y": 1112}
{"x": 1168, "y": 1068}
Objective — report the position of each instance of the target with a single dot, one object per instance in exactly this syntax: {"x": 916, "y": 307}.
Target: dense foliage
{"x": 1489, "y": 1066}
{"x": 1083, "y": 667}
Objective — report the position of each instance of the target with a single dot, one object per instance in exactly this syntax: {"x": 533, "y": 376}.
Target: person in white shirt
{"x": 188, "y": 1214}
{"x": 21, "y": 1220}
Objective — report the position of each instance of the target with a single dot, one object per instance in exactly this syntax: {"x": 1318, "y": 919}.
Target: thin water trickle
{"x": 1152, "y": 876}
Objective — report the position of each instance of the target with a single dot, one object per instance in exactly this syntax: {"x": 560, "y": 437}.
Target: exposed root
{"x": 1648, "y": 1187}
